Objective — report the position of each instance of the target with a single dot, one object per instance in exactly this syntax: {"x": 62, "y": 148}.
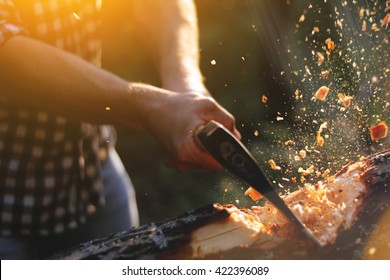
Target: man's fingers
{"x": 209, "y": 162}
{"x": 227, "y": 120}
{"x": 199, "y": 160}
{"x": 237, "y": 133}
{"x": 211, "y": 165}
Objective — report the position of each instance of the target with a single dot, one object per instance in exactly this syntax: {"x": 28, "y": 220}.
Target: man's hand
{"x": 176, "y": 120}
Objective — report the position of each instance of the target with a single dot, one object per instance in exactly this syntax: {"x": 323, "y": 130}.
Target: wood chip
{"x": 378, "y": 131}
{"x": 322, "y": 93}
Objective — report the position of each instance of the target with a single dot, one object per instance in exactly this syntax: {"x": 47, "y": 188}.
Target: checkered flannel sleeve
{"x": 10, "y": 23}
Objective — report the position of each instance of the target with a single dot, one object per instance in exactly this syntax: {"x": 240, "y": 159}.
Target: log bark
{"x": 165, "y": 239}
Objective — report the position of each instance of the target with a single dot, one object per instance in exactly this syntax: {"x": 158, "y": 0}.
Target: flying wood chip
{"x": 378, "y": 131}
{"x": 322, "y": 93}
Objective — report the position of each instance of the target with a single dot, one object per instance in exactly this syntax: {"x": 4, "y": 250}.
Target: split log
{"x": 341, "y": 213}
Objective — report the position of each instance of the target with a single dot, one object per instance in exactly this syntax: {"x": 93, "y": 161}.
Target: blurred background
{"x": 260, "y": 61}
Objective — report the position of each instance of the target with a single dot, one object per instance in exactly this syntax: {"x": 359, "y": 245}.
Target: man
{"x": 61, "y": 181}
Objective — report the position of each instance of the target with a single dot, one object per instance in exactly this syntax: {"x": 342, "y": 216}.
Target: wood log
{"x": 341, "y": 213}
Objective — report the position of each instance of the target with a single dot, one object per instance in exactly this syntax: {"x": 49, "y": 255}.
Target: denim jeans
{"x": 119, "y": 214}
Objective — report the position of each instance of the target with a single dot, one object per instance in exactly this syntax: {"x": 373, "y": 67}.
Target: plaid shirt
{"x": 49, "y": 166}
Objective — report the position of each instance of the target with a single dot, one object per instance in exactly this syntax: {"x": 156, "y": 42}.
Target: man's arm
{"x": 36, "y": 73}
{"x": 169, "y": 30}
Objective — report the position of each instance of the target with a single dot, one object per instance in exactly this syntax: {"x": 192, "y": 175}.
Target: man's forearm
{"x": 32, "y": 72}
{"x": 169, "y": 29}
{"x": 35, "y": 73}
